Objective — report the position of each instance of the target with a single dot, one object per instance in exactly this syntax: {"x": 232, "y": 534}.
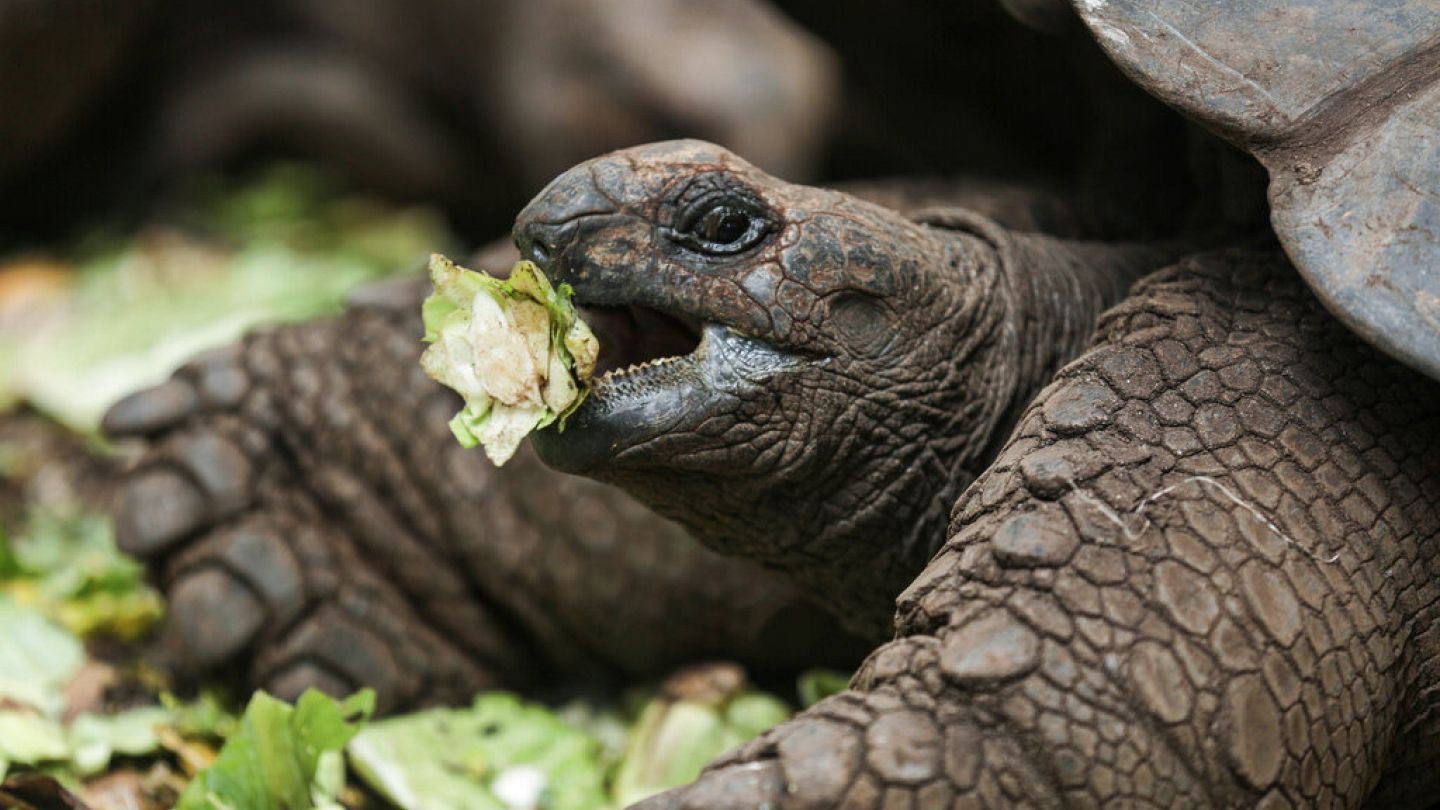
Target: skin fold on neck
{"x": 1047, "y": 295}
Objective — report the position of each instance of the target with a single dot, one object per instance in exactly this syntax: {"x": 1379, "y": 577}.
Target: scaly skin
{"x": 860, "y": 367}
{"x": 1198, "y": 569}
{"x": 1201, "y": 571}
{"x": 314, "y": 523}
{"x": 1261, "y": 634}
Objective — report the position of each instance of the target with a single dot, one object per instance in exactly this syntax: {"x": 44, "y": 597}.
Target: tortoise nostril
{"x": 534, "y": 247}
{"x": 543, "y": 242}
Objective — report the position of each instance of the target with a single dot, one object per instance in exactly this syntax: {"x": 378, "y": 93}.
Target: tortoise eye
{"x": 721, "y": 227}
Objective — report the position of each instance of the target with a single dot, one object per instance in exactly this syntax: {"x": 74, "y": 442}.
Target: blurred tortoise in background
{"x": 470, "y": 105}
{"x": 1198, "y": 567}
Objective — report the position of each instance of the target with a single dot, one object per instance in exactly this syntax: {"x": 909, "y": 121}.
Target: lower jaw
{"x": 626, "y": 410}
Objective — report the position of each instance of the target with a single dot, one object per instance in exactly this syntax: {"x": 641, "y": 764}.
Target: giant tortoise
{"x": 1160, "y": 521}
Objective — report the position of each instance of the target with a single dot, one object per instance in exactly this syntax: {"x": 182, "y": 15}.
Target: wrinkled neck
{"x": 1059, "y": 288}
{"x": 1055, "y": 292}
{"x": 1035, "y": 303}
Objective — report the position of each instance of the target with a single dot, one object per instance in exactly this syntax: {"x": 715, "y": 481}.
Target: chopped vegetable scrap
{"x": 502, "y": 753}
{"x": 515, "y": 349}
{"x": 283, "y": 757}
{"x": 703, "y": 711}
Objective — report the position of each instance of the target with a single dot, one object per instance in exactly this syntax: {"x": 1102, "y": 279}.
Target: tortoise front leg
{"x": 313, "y": 522}
{"x": 1205, "y": 572}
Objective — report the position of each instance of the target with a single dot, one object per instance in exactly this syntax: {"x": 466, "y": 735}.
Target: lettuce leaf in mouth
{"x": 515, "y": 350}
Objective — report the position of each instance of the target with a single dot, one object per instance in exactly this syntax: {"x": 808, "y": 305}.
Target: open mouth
{"x": 655, "y": 371}
{"x": 635, "y": 339}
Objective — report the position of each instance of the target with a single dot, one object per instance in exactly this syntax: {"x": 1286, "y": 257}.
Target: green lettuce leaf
{"x": 37, "y": 659}
{"x": 128, "y": 309}
{"x": 94, "y": 738}
{"x": 282, "y": 757}
{"x": 675, "y": 737}
{"x": 64, "y": 561}
{"x": 515, "y": 350}
{"x": 500, "y": 754}
{"x": 814, "y": 685}
{"x": 30, "y": 739}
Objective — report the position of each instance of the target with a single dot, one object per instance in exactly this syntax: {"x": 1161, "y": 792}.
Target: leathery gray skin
{"x": 855, "y": 369}
{"x": 1201, "y": 571}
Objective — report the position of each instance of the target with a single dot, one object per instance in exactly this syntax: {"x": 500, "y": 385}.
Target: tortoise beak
{"x": 551, "y": 221}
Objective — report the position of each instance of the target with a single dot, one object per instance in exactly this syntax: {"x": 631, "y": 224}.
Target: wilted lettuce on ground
{"x": 76, "y": 334}
{"x": 38, "y": 660}
{"x": 503, "y": 753}
{"x": 64, "y": 560}
{"x": 514, "y": 349}
{"x": 701, "y": 713}
{"x": 95, "y": 738}
{"x": 499, "y": 754}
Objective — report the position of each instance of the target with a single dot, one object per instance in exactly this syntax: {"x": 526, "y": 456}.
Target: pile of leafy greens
{"x": 81, "y": 328}
{"x": 499, "y": 753}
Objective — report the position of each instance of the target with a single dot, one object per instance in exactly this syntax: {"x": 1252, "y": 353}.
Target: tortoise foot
{"x": 265, "y": 583}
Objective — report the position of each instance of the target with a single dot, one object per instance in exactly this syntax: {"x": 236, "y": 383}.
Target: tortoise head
{"x": 790, "y": 371}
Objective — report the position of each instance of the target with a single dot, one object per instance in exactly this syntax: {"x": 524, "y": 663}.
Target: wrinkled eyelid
{"x": 716, "y": 184}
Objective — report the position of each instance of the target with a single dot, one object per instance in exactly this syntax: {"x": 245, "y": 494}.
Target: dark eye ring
{"x": 722, "y": 228}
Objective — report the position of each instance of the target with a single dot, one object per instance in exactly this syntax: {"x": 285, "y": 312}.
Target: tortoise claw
{"x": 220, "y": 469}
{"x": 256, "y": 551}
{"x": 194, "y": 481}
{"x": 219, "y": 377}
{"x": 282, "y": 595}
{"x": 292, "y": 682}
{"x": 336, "y": 648}
{"x": 219, "y": 615}
{"x": 147, "y": 412}
{"x": 213, "y": 380}
{"x": 156, "y": 509}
